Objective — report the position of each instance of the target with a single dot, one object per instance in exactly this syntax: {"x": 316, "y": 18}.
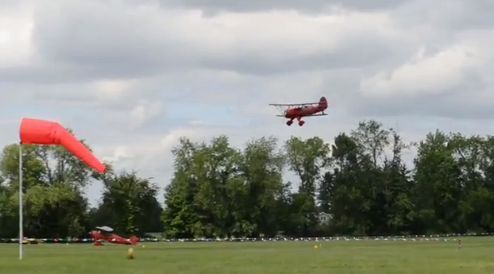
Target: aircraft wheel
{"x": 301, "y": 123}
{"x": 289, "y": 123}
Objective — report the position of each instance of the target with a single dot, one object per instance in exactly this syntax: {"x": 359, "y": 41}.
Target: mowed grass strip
{"x": 476, "y": 256}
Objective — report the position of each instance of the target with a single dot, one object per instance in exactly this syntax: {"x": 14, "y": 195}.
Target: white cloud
{"x": 144, "y": 112}
{"x": 118, "y": 153}
{"x": 16, "y": 26}
{"x": 438, "y": 73}
{"x": 113, "y": 89}
{"x": 177, "y": 38}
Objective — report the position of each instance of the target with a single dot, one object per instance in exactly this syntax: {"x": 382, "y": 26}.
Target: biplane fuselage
{"x": 294, "y": 113}
{"x": 109, "y": 237}
{"x": 297, "y": 111}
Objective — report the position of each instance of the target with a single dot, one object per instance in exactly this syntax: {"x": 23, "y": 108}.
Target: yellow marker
{"x": 130, "y": 254}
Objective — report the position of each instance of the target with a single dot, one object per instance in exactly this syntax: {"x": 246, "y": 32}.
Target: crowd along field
{"x": 342, "y": 257}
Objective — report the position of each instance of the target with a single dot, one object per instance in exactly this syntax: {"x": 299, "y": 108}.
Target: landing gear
{"x": 300, "y": 122}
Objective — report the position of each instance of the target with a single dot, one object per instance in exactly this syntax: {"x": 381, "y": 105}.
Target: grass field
{"x": 335, "y": 257}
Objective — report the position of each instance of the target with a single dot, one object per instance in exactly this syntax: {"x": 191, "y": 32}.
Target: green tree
{"x": 180, "y": 217}
{"x": 261, "y": 191}
{"x": 349, "y": 205}
{"x": 324, "y": 192}
{"x": 394, "y": 195}
{"x": 218, "y": 190}
{"x": 437, "y": 192}
{"x": 53, "y": 185}
{"x": 132, "y": 202}
{"x": 307, "y": 159}
{"x": 484, "y": 202}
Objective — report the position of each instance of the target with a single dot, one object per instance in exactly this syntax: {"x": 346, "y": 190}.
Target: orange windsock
{"x": 42, "y": 132}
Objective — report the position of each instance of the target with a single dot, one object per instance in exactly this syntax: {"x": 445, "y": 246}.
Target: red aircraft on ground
{"x": 105, "y": 233}
{"x": 297, "y": 111}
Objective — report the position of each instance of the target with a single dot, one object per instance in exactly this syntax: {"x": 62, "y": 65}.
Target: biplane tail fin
{"x": 323, "y": 103}
{"x": 133, "y": 239}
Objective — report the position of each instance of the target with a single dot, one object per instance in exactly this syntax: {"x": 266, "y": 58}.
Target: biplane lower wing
{"x": 321, "y": 114}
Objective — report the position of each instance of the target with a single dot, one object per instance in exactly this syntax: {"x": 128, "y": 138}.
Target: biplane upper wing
{"x": 294, "y": 105}
{"x": 105, "y": 228}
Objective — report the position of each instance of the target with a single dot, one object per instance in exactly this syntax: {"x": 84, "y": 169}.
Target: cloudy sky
{"x": 131, "y": 77}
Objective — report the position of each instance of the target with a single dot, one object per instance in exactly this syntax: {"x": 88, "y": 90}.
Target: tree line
{"x": 361, "y": 180}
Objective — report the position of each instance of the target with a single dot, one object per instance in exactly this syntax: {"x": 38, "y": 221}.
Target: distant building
{"x": 324, "y": 218}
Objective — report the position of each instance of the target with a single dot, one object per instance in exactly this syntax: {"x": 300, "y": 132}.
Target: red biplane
{"x": 105, "y": 233}
{"x": 297, "y": 111}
